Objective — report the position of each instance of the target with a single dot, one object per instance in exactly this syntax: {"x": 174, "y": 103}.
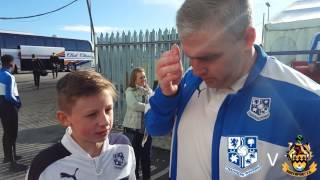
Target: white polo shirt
{"x": 196, "y": 129}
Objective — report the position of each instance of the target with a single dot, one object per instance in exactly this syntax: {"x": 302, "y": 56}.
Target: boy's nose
{"x": 104, "y": 120}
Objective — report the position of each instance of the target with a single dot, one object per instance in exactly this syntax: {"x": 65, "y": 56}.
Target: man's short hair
{"x": 79, "y": 84}
{"x": 232, "y": 15}
{"x": 6, "y": 60}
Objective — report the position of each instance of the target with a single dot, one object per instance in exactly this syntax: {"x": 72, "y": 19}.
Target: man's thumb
{"x": 175, "y": 50}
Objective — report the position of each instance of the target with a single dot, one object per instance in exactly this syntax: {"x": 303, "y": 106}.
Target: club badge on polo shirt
{"x": 119, "y": 160}
{"x": 242, "y": 155}
{"x": 259, "y": 108}
{"x": 299, "y": 155}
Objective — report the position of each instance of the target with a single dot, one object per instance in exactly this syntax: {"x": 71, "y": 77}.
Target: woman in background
{"x": 137, "y": 95}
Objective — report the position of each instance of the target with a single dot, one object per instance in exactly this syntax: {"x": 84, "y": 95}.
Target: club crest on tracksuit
{"x": 119, "y": 160}
{"x": 242, "y": 154}
{"x": 300, "y": 155}
{"x": 259, "y": 108}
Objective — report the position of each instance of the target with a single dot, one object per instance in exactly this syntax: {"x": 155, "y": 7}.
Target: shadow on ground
{"x": 44, "y": 135}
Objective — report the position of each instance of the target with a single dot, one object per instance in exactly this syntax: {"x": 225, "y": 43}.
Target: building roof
{"x": 300, "y": 14}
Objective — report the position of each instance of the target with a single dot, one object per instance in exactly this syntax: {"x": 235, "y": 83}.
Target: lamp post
{"x": 262, "y": 38}
{"x": 268, "y": 5}
{"x": 93, "y": 37}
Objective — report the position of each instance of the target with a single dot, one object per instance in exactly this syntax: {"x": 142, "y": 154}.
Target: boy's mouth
{"x": 102, "y": 133}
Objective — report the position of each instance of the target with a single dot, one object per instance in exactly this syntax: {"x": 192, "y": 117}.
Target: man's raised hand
{"x": 169, "y": 71}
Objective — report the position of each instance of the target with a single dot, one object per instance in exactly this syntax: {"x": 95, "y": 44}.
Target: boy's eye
{"x": 108, "y": 110}
{"x": 92, "y": 115}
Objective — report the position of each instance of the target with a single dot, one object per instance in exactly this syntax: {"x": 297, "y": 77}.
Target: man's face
{"x": 11, "y": 66}
{"x": 214, "y": 56}
{"x": 91, "y": 119}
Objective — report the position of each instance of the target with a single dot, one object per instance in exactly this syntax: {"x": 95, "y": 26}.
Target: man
{"x": 9, "y": 105}
{"x": 54, "y": 59}
{"x": 36, "y": 70}
{"x": 234, "y": 111}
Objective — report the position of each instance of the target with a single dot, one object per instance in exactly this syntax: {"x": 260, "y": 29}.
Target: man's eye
{"x": 207, "y": 59}
{"x": 212, "y": 57}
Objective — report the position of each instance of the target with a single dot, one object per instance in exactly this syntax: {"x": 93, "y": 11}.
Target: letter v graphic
{"x": 272, "y": 163}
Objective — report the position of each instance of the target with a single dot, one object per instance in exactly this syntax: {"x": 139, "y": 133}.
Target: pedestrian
{"x": 54, "y": 60}
{"x": 10, "y": 103}
{"x": 137, "y": 95}
{"x": 36, "y": 70}
{"x": 88, "y": 149}
{"x": 236, "y": 107}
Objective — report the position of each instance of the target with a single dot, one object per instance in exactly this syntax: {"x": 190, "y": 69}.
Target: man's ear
{"x": 250, "y": 36}
{"x": 63, "y": 118}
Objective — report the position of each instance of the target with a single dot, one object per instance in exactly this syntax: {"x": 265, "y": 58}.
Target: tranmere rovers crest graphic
{"x": 242, "y": 154}
{"x": 299, "y": 155}
{"x": 259, "y": 108}
{"x": 119, "y": 160}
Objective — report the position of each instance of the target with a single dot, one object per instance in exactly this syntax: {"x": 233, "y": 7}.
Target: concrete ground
{"x": 38, "y": 128}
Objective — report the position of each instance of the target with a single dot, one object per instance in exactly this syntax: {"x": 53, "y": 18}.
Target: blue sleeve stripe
{"x": 9, "y": 83}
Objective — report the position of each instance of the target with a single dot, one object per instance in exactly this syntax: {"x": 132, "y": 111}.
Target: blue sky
{"x": 108, "y": 15}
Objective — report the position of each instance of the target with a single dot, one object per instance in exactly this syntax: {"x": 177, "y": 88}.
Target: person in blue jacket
{"x": 236, "y": 113}
{"x": 9, "y": 106}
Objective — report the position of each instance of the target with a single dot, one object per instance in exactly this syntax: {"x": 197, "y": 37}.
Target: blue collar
{"x": 5, "y": 69}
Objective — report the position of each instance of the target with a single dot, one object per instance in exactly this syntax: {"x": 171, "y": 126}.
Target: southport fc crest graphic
{"x": 242, "y": 154}
{"x": 299, "y": 155}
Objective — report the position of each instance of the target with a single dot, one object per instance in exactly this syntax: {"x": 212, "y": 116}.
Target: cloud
{"x": 86, "y": 28}
{"x": 170, "y": 3}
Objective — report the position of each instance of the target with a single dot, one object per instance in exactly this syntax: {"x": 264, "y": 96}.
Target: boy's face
{"x": 91, "y": 119}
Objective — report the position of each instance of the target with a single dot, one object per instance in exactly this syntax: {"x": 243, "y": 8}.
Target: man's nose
{"x": 198, "y": 68}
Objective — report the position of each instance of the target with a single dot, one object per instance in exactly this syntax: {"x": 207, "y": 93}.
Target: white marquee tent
{"x": 293, "y": 29}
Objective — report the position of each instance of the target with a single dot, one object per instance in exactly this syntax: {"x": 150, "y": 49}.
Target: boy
{"x": 9, "y": 106}
{"x": 86, "y": 151}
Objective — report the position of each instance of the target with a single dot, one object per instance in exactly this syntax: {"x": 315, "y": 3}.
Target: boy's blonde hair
{"x": 79, "y": 84}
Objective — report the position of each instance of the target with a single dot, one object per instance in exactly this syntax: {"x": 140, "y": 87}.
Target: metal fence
{"x": 119, "y": 54}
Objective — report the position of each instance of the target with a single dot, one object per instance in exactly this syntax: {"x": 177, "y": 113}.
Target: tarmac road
{"x": 38, "y": 128}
